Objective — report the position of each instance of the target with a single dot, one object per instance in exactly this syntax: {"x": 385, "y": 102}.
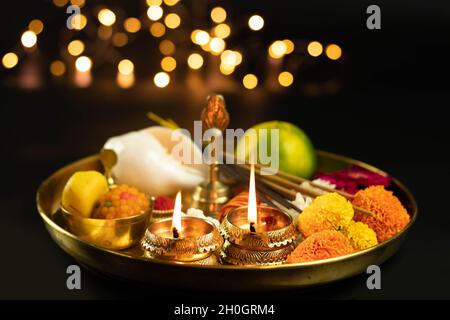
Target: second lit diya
{"x": 269, "y": 241}
{"x": 257, "y": 235}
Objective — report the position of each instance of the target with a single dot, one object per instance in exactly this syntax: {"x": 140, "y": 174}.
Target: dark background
{"x": 390, "y": 111}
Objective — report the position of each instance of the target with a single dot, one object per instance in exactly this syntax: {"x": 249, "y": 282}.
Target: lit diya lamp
{"x": 257, "y": 235}
{"x": 182, "y": 239}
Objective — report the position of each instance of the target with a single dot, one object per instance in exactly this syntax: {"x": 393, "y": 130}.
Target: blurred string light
{"x": 125, "y": 81}
{"x": 315, "y": 48}
{"x": 222, "y": 31}
{"x": 168, "y": 64}
{"x": 171, "y": 2}
{"x": 75, "y": 47}
{"x": 120, "y": 39}
{"x": 132, "y": 25}
{"x": 200, "y": 37}
{"x": 60, "y": 3}
{"x": 218, "y": 15}
{"x": 125, "y": 67}
{"x": 28, "y": 39}
{"x": 154, "y": 2}
{"x": 256, "y": 22}
{"x": 78, "y": 22}
{"x": 172, "y": 21}
{"x": 250, "y": 81}
{"x": 157, "y": 29}
{"x": 83, "y": 64}
{"x": 155, "y": 13}
{"x": 106, "y": 17}
{"x": 57, "y": 68}
{"x": 166, "y": 47}
{"x": 161, "y": 79}
{"x": 277, "y": 49}
{"x": 36, "y": 26}
{"x": 79, "y": 3}
{"x": 289, "y": 46}
{"x": 285, "y": 78}
{"x": 216, "y": 45}
{"x": 10, "y": 60}
{"x": 333, "y": 51}
{"x": 195, "y": 61}
{"x": 211, "y": 39}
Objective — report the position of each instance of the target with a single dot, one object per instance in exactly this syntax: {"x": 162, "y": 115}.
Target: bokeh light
{"x": 172, "y": 20}
{"x": 78, "y": 22}
{"x": 125, "y": 81}
{"x": 256, "y": 22}
{"x": 168, "y": 64}
{"x": 154, "y": 13}
{"x": 57, "y": 68}
{"x": 250, "y": 81}
{"x": 315, "y": 48}
{"x": 200, "y": 37}
{"x": 167, "y": 47}
{"x": 216, "y": 45}
{"x": 285, "y": 78}
{"x": 157, "y": 29}
{"x": 10, "y": 60}
{"x": 333, "y": 51}
{"x": 277, "y": 49}
{"x": 60, "y": 3}
{"x": 125, "y": 67}
{"x": 161, "y": 79}
{"x": 75, "y": 47}
{"x": 120, "y": 39}
{"x": 104, "y": 32}
{"x": 154, "y": 2}
{"x": 289, "y": 46}
{"x": 83, "y": 64}
{"x": 171, "y": 2}
{"x": 36, "y": 26}
{"x": 195, "y": 61}
{"x": 28, "y": 39}
{"x": 222, "y": 30}
{"x": 218, "y": 14}
{"x": 132, "y": 25}
{"x": 106, "y": 17}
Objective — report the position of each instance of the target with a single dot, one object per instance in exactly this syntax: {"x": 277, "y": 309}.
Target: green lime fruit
{"x": 296, "y": 152}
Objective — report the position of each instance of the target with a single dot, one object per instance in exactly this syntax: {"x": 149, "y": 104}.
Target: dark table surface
{"x": 389, "y": 112}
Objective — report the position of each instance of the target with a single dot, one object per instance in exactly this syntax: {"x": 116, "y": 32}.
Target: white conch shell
{"x": 145, "y": 161}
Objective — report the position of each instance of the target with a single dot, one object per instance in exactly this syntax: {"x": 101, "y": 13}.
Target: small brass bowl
{"x": 114, "y": 234}
{"x": 158, "y": 215}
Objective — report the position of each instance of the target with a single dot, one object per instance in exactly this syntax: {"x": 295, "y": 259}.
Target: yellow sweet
{"x": 82, "y": 192}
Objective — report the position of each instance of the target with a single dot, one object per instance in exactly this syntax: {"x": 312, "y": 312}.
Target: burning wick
{"x": 252, "y": 214}
{"x": 175, "y": 233}
{"x": 176, "y": 219}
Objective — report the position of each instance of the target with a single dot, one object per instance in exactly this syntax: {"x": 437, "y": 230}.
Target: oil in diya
{"x": 182, "y": 239}
{"x": 257, "y": 235}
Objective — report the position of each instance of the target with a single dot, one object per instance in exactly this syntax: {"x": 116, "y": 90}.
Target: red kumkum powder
{"x": 164, "y": 203}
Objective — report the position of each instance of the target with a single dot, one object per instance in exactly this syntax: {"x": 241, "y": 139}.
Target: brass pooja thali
{"x": 134, "y": 265}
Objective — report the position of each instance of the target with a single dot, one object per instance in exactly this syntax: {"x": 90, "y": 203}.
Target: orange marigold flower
{"x": 321, "y": 245}
{"x": 330, "y": 211}
{"x": 389, "y": 216}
